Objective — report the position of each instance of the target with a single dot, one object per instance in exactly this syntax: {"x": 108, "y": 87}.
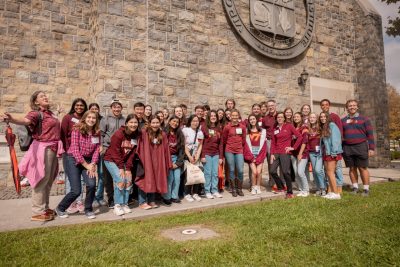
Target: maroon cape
{"x": 156, "y": 161}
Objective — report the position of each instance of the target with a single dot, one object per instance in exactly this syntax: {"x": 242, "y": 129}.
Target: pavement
{"x": 15, "y": 213}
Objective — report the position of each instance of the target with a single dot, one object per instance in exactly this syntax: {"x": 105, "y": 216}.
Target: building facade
{"x": 167, "y": 52}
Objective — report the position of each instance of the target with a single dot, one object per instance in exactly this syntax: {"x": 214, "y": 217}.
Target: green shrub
{"x": 395, "y": 155}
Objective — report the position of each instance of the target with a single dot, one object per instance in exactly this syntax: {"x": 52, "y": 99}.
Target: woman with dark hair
{"x": 119, "y": 158}
{"x": 159, "y": 114}
{"x": 228, "y": 115}
{"x": 221, "y": 118}
{"x": 299, "y": 156}
{"x": 78, "y": 108}
{"x": 166, "y": 116}
{"x": 148, "y": 112}
{"x": 95, "y": 108}
{"x": 255, "y": 152}
{"x": 305, "y": 112}
{"x": 193, "y": 146}
{"x": 154, "y": 154}
{"x": 212, "y": 154}
{"x": 40, "y": 164}
{"x": 234, "y": 139}
{"x": 280, "y": 152}
{"x": 82, "y": 158}
{"x": 331, "y": 151}
{"x": 288, "y": 112}
{"x": 176, "y": 142}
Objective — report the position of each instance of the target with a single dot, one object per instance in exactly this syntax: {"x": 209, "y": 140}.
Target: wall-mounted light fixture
{"x": 303, "y": 78}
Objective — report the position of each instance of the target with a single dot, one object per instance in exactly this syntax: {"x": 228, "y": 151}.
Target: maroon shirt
{"x": 303, "y": 131}
{"x": 122, "y": 149}
{"x": 212, "y": 144}
{"x": 282, "y": 138}
{"x": 269, "y": 122}
{"x": 233, "y": 140}
{"x": 51, "y": 129}
{"x": 314, "y": 140}
{"x": 172, "y": 144}
{"x": 336, "y": 119}
{"x": 67, "y": 125}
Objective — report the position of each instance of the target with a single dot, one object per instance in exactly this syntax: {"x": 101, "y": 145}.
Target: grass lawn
{"x": 354, "y": 231}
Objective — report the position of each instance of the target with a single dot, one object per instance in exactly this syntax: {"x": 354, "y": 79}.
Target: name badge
{"x": 95, "y": 140}
{"x": 276, "y": 132}
{"x": 74, "y": 120}
{"x": 134, "y": 142}
{"x": 294, "y": 137}
{"x": 155, "y": 141}
{"x": 211, "y": 132}
{"x": 260, "y": 123}
{"x": 238, "y": 130}
{"x": 348, "y": 121}
{"x": 317, "y": 148}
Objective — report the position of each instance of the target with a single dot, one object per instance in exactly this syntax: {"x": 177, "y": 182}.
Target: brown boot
{"x": 233, "y": 188}
{"x": 239, "y": 185}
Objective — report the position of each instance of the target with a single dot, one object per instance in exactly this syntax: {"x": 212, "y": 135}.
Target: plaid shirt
{"x": 84, "y": 146}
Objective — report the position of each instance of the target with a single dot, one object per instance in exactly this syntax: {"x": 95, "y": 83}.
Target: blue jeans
{"x": 74, "y": 173}
{"x": 122, "y": 186}
{"x": 211, "y": 174}
{"x": 318, "y": 170}
{"x": 66, "y": 179}
{"x": 145, "y": 197}
{"x": 299, "y": 168}
{"x": 174, "y": 178}
{"x": 339, "y": 173}
{"x": 235, "y": 161}
{"x": 100, "y": 184}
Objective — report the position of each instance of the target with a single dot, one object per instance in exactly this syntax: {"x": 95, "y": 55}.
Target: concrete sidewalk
{"x": 15, "y": 213}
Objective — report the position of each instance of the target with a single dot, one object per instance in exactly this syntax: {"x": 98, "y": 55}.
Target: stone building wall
{"x": 167, "y": 52}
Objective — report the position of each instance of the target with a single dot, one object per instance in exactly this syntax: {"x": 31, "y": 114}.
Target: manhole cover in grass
{"x": 192, "y": 232}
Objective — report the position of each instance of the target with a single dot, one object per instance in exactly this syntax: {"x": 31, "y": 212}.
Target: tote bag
{"x": 194, "y": 175}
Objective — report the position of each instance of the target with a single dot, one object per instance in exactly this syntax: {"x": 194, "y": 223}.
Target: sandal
{"x": 145, "y": 206}
{"x": 154, "y": 205}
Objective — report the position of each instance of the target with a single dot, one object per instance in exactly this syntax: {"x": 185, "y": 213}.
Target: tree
{"x": 394, "y": 112}
{"x": 394, "y": 24}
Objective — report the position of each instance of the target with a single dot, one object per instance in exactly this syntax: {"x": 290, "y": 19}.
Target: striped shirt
{"x": 84, "y": 146}
{"x": 356, "y": 130}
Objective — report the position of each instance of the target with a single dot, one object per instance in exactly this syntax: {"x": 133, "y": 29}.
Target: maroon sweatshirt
{"x": 336, "y": 119}
{"x": 67, "y": 124}
{"x": 233, "y": 140}
{"x": 314, "y": 141}
{"x": 122, "y": 149}
{"x": 212, "y": 144}
{"x": 282, "y": 138}
{"x": 304, "y": 133}
{"x": 269, "y": 122}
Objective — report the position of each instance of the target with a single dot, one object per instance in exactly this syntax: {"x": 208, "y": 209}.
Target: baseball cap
{"x": 115, "y": 101}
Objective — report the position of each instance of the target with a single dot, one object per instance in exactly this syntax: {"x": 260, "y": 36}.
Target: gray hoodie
{"x": 108, "y": 126}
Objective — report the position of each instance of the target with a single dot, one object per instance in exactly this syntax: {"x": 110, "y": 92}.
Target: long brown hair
{"x": 84, "y": 128}
{"x": 325, "y": 130}
{"x": 33, "y": 99}
{"x": 154, "y": 135}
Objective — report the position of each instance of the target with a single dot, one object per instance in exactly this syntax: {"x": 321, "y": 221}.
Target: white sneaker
{"x": 126, "y": 209}
{"x": 189, "y": 198}
{"x": 258, "y": 189}
{"x": 197, "y": 197}
{"x": 333, "y": 196}
{"x": 318, "y": 193}
{"x": 217, "y": 195}
{"x": 254, "y": 190}
{"x": 118, "y": 210}
{"x": 323, "y": 193}
{"x": 301, "y": 194}
{"x": 328, "y": 195}
{"x": 209, "y": 196}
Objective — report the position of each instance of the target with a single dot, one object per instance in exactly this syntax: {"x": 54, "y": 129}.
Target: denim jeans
{"x": 74, "y": 173}
{"x": 174, "y": 178}
{"x": 66, "y": 179}
{"x": 339, "y": 173}
{"x": 235, "y": 161}
{"x": 100, "y": 183}
{"x": 211, "y": 174}
{"x": 318, "y": 170}
{"x": 299, "y": 168}
{"x": 121, "y": 193}
{"x": 145, "y": 197}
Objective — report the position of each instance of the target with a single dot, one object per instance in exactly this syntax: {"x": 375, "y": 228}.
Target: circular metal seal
{"x": 272, "y": 27}
{"x": 189, "y": 232}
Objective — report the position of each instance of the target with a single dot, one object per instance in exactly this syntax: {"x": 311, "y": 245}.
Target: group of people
{"x": 143, "y": 156}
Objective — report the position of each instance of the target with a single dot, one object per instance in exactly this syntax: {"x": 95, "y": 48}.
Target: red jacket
{"x": 282, "y": 138}
{"x": 233, "y": 140}
{"x": 262, "y": 152}
{"x": 122, "y": 149}
{"x": 269, "y": 122}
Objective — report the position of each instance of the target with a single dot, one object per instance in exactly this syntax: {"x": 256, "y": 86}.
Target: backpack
{"x": 25, "y": 134}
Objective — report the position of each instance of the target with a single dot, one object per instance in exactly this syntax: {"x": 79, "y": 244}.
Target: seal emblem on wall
{"x": 279, "y": 29}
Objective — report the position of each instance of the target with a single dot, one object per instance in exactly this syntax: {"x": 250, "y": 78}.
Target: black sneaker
{"x": 178, "y": 201}
{"x": 354, "y": 191}
{"x": 365, "y": 193}
{"x": 111, "y": 204}
{"x": 166, "y": 202}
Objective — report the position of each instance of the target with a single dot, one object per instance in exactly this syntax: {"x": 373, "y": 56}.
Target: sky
{"x": 392, "y": 45}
